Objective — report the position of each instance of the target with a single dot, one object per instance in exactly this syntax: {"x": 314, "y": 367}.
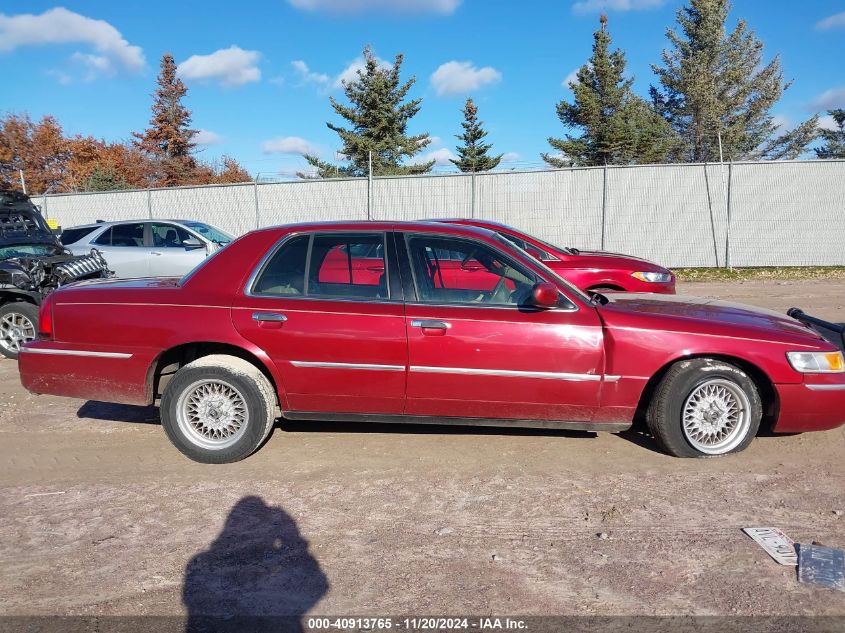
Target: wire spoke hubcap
{"x": 15, "y": 330}
{"x": 716, "y": 416}
{"x": 212, "y": 414}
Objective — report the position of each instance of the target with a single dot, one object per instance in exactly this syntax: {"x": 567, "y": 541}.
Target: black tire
{"x": 666, "y": 409}
{"x": 23, "y": 309}
{"x": 245, "y": 388}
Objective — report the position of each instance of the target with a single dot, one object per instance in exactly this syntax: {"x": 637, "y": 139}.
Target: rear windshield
{"x": 70, "y": 236}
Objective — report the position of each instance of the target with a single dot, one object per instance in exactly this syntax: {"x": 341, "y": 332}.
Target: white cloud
{"x": 782, "y": 123}
{"x": 204, "y": 138}
{"x": 572, "y": 77}
{"x": 230, "y": 67}
{"x": 434, "y": 141}
{"x": 289, "y": 145}
{"x": 827, "y": 122}
{"x": 439, "y": 156}
{"x": 350, "y": 73}
{"x": 444, "y": 7}
{"x": 511, "y": 157}
{"x": 835, "y": 21}
{"x": 60, "y": 26}
{"x": 597, "y": 6}
{"x": 830, "y": 99}
{"x": 461, "y": 77}
{"x": 307, "y": 75}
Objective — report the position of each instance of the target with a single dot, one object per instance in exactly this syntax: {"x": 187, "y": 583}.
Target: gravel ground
{"x": 101, "y": 516}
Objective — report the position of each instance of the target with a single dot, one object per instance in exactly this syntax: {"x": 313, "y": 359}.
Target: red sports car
{"x": 428, "y": 323}
{"x": 595, "y": 271}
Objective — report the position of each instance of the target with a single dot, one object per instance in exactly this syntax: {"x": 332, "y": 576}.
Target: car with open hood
{"x": 592, "y": 271}
{"x": 32, "y": 264}
{"x": 362, "y": 322}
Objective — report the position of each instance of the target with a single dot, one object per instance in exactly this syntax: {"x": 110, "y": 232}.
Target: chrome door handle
{"x": 273, "y": 317}
{"x": 154, "y": 253}
{"x": 430, "y": 324}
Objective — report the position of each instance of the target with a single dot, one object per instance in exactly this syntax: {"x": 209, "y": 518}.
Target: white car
{"x": 147, "y": 248}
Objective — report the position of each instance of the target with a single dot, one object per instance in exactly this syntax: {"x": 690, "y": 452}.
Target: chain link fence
{"x": 786, "y": 213}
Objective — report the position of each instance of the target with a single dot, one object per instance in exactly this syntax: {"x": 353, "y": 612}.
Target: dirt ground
{"x": 100, "y": 515}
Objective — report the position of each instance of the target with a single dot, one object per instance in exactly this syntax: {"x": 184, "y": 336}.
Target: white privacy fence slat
{"x": 787, "y": 213}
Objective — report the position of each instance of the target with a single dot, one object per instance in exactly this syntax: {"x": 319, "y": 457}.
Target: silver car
{"x": 147, "y": 248}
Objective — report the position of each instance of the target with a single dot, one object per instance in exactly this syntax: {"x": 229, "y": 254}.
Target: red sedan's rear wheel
{"x": 218, "y": 409}
{"x": 705, "y": 407}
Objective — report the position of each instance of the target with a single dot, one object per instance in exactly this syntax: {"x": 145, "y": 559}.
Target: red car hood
{"x": 598, "y": 259}
{"x": 707, "y": 312}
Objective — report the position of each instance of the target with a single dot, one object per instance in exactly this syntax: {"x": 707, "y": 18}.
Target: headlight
{"x": 653, "y": 278}
{"x": 817, "y": 362}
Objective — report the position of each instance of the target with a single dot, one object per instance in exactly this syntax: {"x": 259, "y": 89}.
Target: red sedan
{"x": 459, "y": 326}
{"x": 596, "y": 271}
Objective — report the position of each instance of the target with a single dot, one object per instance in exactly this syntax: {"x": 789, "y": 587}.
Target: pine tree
{"x": 713, "y": 82}
{"x": 473, "y": 153}
{"x": 834, "y": 140}
{"x": 378, "y": 116}
{"x": 616, "y": 126}
{"x": 105, "y": 177}
{"x": 169, "y": 139}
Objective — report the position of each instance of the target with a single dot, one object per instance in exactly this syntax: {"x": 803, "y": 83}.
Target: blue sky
{"x": 260, "y": 74}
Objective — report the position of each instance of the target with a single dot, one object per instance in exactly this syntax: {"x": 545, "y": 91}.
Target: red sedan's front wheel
{"x": 705, "y": 407}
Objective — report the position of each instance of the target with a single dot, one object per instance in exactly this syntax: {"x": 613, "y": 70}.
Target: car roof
{"x": 423, "y": 226}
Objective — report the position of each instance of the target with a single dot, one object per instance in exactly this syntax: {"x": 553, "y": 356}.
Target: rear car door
{"x": 124, "y": 249}
{"x": 481, "y": 352}
{"x": 337, "y": 336}
{"x": 169, "y": 255}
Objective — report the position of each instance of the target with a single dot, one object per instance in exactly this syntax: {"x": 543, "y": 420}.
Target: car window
{"x": 473, "y": 272}
{"x": 529, "y": 248}
{"x": 169, "y": 235}
{"x": 71, "y": 236}
{"x": 348, "y": 266}
{"x": 284, "y": 274}
{"x": 123, "y": 235}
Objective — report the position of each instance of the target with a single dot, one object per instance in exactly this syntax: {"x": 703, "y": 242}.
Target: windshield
{"x": 520, "y": 243}
{"x": 27, "y": 250}
{"x": 548, "y": 272}
{"x": 209, "y": 232}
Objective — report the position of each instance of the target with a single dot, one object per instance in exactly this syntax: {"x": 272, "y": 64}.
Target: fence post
{"x": 472, "y": 184}
{"x": 604, "y": 207}
{"x": 370, "y": 186}
{"x": 150, "y": 203}
{"x": 255, "y": 192}
{"x": 728, "y": 218}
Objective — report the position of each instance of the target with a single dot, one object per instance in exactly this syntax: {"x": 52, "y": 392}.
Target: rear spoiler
{"x": 833, "y": 332}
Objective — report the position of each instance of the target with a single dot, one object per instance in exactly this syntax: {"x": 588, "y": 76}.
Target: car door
{"x": 337, "y": 338}
{"x": 123, "y": 247}
{"x": 482, "y": 353}
{"x": 169, "y": 255}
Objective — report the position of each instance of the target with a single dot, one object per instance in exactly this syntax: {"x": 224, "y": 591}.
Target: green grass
{"x": 776, "y": 273}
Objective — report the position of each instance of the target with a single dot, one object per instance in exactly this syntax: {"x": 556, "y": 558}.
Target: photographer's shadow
{"x": 258, "y": 575}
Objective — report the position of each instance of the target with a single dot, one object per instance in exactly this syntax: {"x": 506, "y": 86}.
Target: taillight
{"x": 45, "y": 318}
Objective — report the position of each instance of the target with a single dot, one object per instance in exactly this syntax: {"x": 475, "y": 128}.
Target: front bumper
{"x": 817, "y": 404}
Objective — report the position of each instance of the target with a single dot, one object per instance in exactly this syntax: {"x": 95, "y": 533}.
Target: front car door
{"x": 123, "y": 247}
{"x": 170, "y": 255}
{"x": 477, "y": 351}
{"x": 336, "y": 335}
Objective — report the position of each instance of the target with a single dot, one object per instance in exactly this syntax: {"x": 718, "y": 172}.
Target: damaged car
{"x": 32, "y": 264}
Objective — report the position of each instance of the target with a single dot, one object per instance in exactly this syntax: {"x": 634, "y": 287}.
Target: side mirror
{"x": 192, "y": 243}
{"x": 534, "y": 253}
{"x": 544, "y": 295}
